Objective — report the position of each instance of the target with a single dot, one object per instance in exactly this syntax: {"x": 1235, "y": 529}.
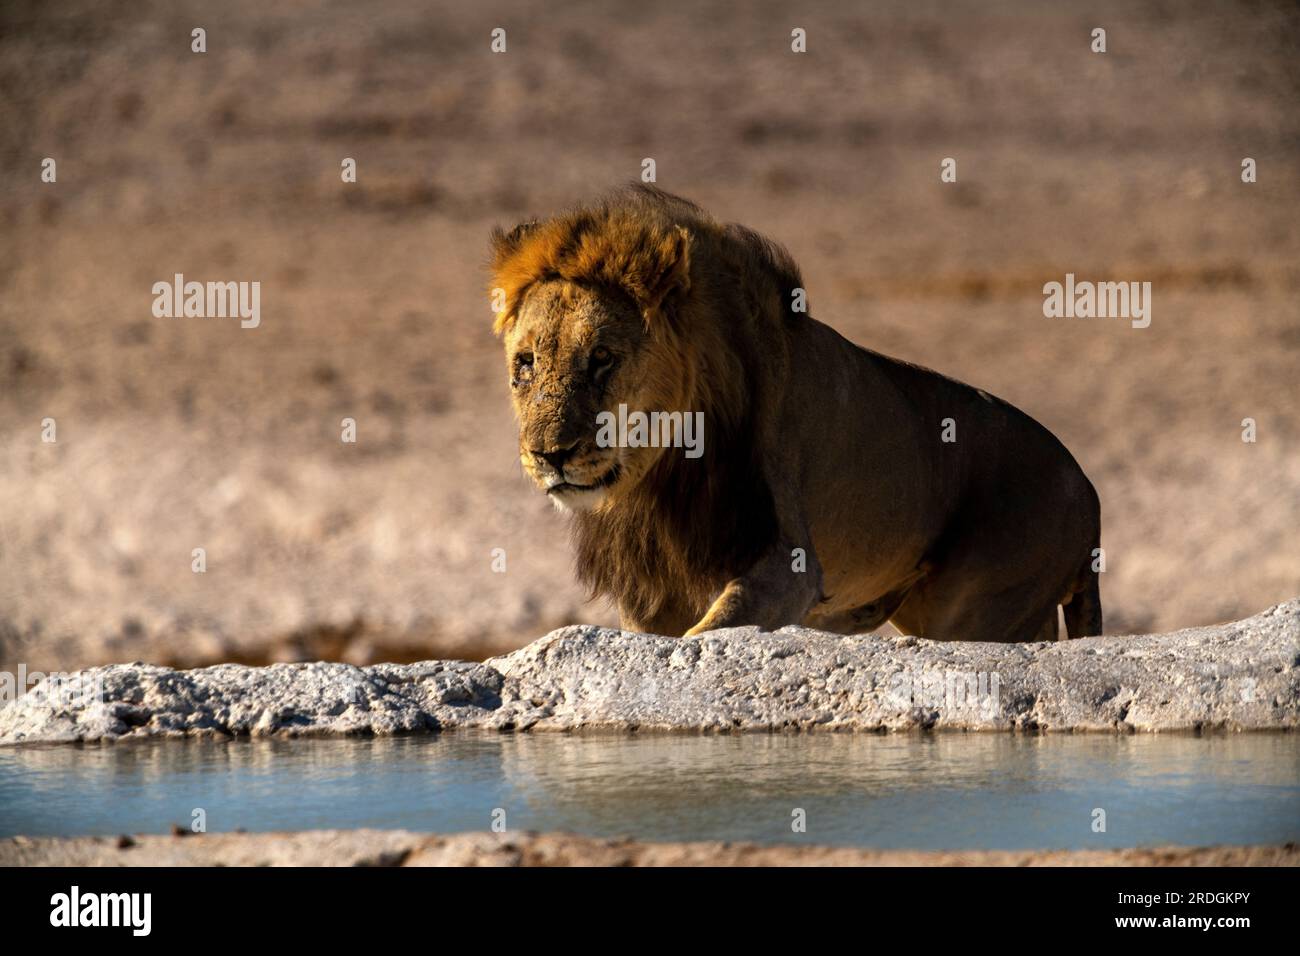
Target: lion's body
{"x": 826, "y": 493}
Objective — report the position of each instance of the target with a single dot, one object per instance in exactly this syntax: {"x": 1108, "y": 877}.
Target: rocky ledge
{"x": 1230, "y": 677}
{"x": 404, "y": 848}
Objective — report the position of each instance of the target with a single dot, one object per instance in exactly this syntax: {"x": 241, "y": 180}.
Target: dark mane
{"x": 688, "y": 528}
{"x": 690, "y": 525}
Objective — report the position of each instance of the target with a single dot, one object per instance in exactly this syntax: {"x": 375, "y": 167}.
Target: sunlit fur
{"x": 698, "y": 307}
{"x": 825, "y": 495}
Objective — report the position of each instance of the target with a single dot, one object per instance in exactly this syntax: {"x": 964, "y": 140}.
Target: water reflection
{"x": 939, "y": 791}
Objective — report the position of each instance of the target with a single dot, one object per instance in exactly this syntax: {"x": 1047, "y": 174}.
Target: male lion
{"x": 825, "y": 494}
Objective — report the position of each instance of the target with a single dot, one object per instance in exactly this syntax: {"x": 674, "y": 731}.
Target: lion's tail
{"x": 1083, "y": 609}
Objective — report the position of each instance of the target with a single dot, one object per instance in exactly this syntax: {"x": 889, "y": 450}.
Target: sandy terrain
{"x": 403, "y": 848}
{"x": 175, "y": 434}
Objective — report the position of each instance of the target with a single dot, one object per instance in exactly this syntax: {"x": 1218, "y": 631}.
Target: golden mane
{"x": 640, "y": 240}
{"x": 720, "y": 294}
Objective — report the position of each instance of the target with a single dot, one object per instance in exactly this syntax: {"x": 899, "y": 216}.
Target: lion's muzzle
{"x": 575, "y": 477}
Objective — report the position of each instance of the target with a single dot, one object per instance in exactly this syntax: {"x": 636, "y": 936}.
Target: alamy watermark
{"x": 651, "y": 430}
{"x": 1098, "y": 300}
{"x": 954, "y": 691}
{"x": 209, "y": 300}
{"x": 130, "y": 910}
{"x": 59, "y": 688}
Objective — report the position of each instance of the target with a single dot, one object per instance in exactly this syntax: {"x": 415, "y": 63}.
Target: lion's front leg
{"x": 779, "y": 590}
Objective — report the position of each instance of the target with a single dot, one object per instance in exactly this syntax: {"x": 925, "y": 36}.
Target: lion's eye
{"x": 600, "y": 356}
{"x": 523, "y": 368}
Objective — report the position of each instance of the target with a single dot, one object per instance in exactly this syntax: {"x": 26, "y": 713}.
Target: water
{"x": 946, "y": 791}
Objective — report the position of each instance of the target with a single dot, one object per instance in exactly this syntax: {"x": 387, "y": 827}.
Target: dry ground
{"x": 182, "y": 433}
{"x": 404, "y": 848}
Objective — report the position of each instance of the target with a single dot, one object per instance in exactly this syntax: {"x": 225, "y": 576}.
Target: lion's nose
{"x": 557, "y": 458}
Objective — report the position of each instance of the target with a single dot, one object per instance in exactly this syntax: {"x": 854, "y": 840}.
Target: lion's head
{"x": 587, "y": 328}
{"x": 642, "y": 300}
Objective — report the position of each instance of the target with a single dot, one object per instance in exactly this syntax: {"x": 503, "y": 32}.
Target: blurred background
{"x": 176, "y": 434}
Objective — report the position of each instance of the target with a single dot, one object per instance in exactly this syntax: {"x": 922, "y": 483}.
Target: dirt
{"x": 182, "y": 433}
{"x": 403, "y": 848}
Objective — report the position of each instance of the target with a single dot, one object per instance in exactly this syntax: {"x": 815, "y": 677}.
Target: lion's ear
{"x": 668, "y": 270}
{"x": 504, "y": 244}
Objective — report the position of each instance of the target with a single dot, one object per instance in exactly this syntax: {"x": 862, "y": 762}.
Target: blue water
{"x": 946, "y": 791}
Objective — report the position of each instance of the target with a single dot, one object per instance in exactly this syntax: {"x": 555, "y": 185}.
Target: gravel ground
{"x": 403, "y": 848}
{"x": 1241, "y": 676}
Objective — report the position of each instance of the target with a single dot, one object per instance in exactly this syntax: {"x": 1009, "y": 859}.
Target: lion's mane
{"x": 718, "y": 296}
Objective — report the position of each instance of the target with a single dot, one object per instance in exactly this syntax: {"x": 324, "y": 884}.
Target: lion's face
{"x": 573, "y": 353}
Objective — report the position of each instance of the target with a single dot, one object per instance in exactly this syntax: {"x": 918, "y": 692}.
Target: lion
{"x": 835, "y": 487}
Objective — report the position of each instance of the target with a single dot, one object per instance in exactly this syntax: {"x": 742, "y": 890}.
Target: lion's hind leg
{"x": 1083, "y": 610}
{"x": 952, "y": 606}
